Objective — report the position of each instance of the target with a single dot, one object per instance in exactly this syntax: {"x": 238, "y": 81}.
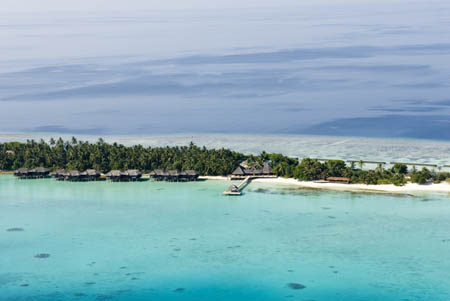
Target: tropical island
{"x": 187, "y": 162}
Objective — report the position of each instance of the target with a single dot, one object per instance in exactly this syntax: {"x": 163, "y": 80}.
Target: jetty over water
{"x": 237, "y": 189}
{"x": 247, "y": 174}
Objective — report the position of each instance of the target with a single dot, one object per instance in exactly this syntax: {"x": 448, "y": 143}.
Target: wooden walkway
{"x": 239, "y": 187}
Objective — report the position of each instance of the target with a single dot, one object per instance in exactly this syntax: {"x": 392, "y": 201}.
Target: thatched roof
{"x": 133, "y": 173}
{"x": 22, "y": 171}
{"x": 244, "y": 164}
{"x": 74, "y": 173}
{"x": 114, "y": 173}
{"x": 191, "y": 172}
{"x": 238, "y": 171}
{"x": 173, "y": 173}
{"x": 338, "y": 179}
{"x": 92, "y": 172}
{"x": 158, "y": 172}
{"x": 41, "y": 170}
{"x": 253, "y": 171}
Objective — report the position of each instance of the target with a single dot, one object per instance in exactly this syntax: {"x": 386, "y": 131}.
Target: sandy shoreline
{"x": 409, "y": 188}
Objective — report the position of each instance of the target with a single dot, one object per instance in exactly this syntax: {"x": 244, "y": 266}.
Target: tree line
{"x": 102, "y": 156}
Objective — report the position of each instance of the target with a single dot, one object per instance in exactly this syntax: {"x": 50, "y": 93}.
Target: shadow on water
{"x": 308, "y": 191}
{"x": 215, "y": 291}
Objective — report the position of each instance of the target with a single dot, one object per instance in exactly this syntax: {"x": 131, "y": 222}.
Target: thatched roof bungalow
{"x": 93, "y": 174}
{"x": 59, "y": 174}
{"x": 124, "y": 176}
{"x": 174, "y": 175}
{"x": 341, "y": 180}
{"x": 33, "y": 173}
{"x": 132, "y": 174}
{"x": 265, "y": 170}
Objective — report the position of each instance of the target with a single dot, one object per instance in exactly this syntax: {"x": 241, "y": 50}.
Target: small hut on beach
{"x": 341, "y": 180}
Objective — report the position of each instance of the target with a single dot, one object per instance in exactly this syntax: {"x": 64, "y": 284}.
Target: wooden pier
{"x": 237, "y": 189}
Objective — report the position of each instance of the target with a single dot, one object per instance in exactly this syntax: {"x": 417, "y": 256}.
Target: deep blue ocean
{"x": 337, "y": 68}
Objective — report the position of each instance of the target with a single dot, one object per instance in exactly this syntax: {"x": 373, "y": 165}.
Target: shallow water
{"x": 185, "y": 241}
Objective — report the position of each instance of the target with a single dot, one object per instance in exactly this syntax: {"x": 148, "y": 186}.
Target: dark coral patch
{"x": 179, "y": 290}
{"x": 15, "y": 230}
{"x": 296, "y": 286}
{"x": 42, "y": 255}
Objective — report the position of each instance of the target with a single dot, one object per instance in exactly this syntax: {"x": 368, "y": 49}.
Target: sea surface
{"x": 336, "y": 68}
{"x": 186, "y": 241}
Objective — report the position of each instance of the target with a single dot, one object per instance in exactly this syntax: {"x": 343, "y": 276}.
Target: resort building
{"x": 341, "y": 180}
{"x": 33, "y": 173}
{"x": 124, "y": 176}
{"x": 244, "y": 171}
{"x": 75, "y": 175}
{"x": 174, "y": 175}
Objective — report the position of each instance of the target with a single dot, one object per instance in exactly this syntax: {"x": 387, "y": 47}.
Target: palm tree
{"x": 380, "y": 167}
{"x": 361, "y": 164}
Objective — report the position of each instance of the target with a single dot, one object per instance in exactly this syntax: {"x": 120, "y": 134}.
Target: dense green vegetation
{"x": 81, "y": 155}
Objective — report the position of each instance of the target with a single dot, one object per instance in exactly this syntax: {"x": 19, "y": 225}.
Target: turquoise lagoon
{"x": 185, "y": 241}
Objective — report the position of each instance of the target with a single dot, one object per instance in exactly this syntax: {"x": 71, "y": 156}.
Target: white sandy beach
{"x": 410, "y": 188}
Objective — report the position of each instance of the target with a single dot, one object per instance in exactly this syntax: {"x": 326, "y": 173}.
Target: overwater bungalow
{"x": 158, "y": 175}
{"x": 75, "y": 175}
{"x": 114, "y": 175}
{"x": 243, "y": 171}
{"x": 132, "y": 174}
{"x": 124, "y": 176}
{"x": 59, "y": 174}
{"x": 174, "y": 175}
{"x": 93, "y": 174}
{"x": 33, "y": 173}
{"x": 191, "y": 175}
